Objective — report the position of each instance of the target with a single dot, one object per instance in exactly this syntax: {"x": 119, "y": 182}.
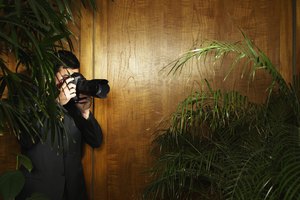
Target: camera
{"x": 96, "y": 87}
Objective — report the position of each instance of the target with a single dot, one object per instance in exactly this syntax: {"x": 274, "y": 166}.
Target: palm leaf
{"x": 31, "y": 32}
{"x": 238, "y": 149}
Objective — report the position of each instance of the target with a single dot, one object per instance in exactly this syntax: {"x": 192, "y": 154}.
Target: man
{"x": 57, "y": 169}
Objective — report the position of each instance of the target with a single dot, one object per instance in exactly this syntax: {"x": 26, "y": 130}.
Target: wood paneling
{"x": 297, "y": 37}
{"x": 9, "y": 146}
{"x": 286, "y": 34}
{"x": 128, "y": 42}
{"x": 86, "y": 61}
{"x": 101, "y": 105}
{"x": 132, "y": 41}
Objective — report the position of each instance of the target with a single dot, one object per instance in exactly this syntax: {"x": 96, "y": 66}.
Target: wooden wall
{"x": 129, "y": 42}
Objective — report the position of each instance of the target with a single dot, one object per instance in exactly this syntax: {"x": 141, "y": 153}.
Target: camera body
{"x": 96, "y": 87}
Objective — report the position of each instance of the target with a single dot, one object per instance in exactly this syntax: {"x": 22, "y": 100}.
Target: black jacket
{"x": 57, "y": 169}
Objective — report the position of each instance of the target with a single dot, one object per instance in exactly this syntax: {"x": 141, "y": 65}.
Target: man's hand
{"x": 67, "y": 90}
{"x": 84, "y": 104}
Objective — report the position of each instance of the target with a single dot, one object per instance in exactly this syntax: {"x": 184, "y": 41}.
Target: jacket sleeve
{"x": 90, "y": 129}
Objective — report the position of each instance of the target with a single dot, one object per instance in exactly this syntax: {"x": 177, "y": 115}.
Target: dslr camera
{"x": 96, "y": 87}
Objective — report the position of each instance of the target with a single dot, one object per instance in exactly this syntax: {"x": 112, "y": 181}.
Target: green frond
{"x": 220, "y": 144}
{"x": 31, "y": 33}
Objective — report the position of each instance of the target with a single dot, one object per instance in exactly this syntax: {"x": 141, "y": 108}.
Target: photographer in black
{"x": 59, "y": 175}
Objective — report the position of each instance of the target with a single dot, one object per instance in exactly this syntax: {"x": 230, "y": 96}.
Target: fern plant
{"x": 221, "y": 145}
{"x": 31, "y": 31}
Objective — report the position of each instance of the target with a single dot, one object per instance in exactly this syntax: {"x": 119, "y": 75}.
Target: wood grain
{"x": 101, "y": 105}
{"x": 286, "y": 59}
{"x": 133, "y": 40}
{"x": 86, "y": 69}
{"x": 9, "y": 146}
{"x": 297, "y": 37}
{"x": 130, "y": 41}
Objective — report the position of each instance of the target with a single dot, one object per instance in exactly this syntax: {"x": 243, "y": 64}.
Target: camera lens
{"x": 96, "y": 87}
